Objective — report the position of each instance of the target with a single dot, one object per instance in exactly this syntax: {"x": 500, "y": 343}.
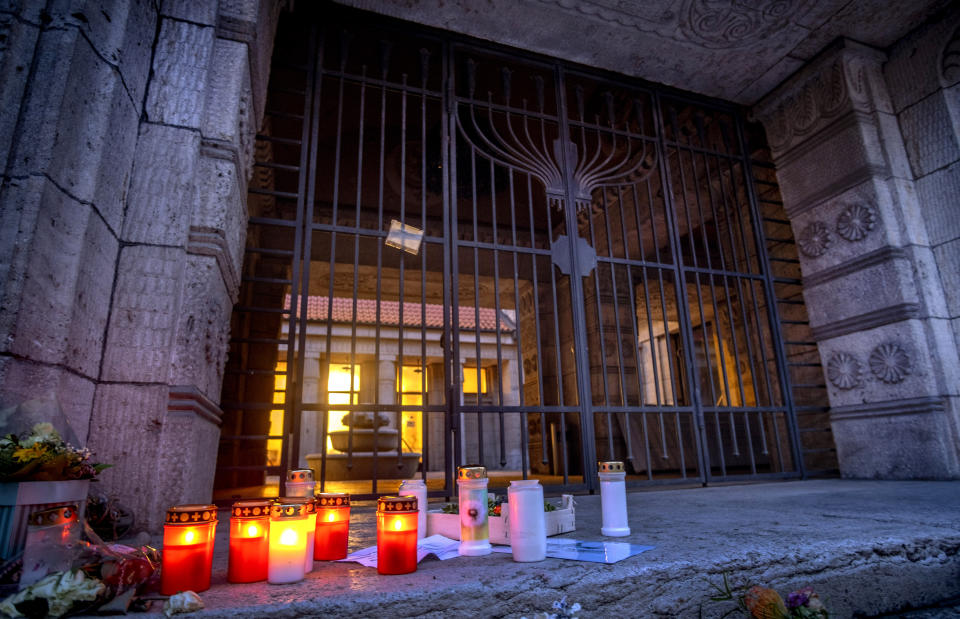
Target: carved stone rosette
{"x": 856, "y": 221}
{"x": 890, "y": 363}
{"x": 843, "y": 370}
{"x": 814, "y": 239}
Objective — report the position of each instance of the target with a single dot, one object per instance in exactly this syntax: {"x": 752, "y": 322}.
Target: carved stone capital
{"x": 845, "y": 78}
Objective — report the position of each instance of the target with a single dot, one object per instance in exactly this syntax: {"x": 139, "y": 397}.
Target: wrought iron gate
{"x": 589, "y": 282}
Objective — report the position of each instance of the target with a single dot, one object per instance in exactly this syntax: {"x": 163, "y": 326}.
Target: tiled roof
{"x": 342, "y": 312}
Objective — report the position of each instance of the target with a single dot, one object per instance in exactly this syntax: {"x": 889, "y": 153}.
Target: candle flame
{"x": 252, "y": 531}
{"x": 288, "y": 537}
{"x": 330, "y": 517}
{"x": 190, "y": 536}
{"x": 397, "y": 524}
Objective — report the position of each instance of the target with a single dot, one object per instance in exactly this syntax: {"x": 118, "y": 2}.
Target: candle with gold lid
{"x": 333, "y": 526}
{"x": 613, "y": 498}
{"x": 188, "y": 534}
{"x": 249, "y": 546}
{"x": 309, "y": 524}
{"x": 397, "y": 534}
{"x": 300, "y": 482}
{"x": 288, "y": 543}
{"x": 474, "y": 526}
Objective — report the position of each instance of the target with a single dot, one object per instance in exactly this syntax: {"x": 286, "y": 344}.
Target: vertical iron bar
{"x": 536, "y": 320}
{"x": 600, "y": 337}
{"x": 401, "y": 292}
{"x": 496, "y": 307}
{"x": 773, "y": 312}
{"x": 424, "y": 415}
{"x": 518, "y": 335}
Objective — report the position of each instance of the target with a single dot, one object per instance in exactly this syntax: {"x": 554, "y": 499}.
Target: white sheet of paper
{"x": 595, "y": 552}
{"x": 439, "y": 546}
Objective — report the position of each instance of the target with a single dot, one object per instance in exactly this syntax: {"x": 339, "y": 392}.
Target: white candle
{"x": 474, "y": 526}
{"x": 528, "y": 523}
{"x": 416, "y": 487}
{"x": 288, "y": 543}
{"x": 613, "y": 499}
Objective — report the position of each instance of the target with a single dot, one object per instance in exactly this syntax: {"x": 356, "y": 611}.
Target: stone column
{"x": 871, "y": 283}
{"x": 155, "y": 414}
{"x": 311, "y": 438}
{"x": 436, "y": 434}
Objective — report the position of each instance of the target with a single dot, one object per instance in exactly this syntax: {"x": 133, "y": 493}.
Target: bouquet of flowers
{"x": 765, "y": 603}
{"x": 42, "y": 455}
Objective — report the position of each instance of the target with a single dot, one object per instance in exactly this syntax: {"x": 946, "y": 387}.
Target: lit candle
{"x": 417, "y": 488}
{"x": 288, "y": 543}
{"x": 249, "y": 531}
{"x": 311, "y": 531}
{"x": 300, "y": 482}
{"x": 474, "y": 526}
{"x": 309, "y": 525}
{"x": 396, "y": 535}
{"x": 333, "y": 526}
{"x": 613, "y": 499}
{"x": 187, "y": 548}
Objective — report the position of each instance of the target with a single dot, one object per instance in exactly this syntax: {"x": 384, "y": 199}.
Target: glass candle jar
{"x": 528, "y": 522}
{"x": 613, "y": 499}
{"x": 309, "y": 525}
{"x": 397, "y": 535}
{"x": 52, "y": 535}
{"x": 187, "y": 548}
{"x": 333, "y": 526}
{"x": 417, "y": 488}
{"x": 288, "y": 543}
{"x": 311, "y": 530}
{"x": 249, "y": 546}
{"x": 300, "y": 482}
{"x": 474, "y": 526}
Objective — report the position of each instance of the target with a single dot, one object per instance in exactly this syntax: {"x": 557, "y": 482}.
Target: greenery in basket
{"x": 42, "y": 455}
{"x": 494, "y": 506}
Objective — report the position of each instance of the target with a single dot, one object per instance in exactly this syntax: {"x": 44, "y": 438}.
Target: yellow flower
{"x": 26, "y": 454}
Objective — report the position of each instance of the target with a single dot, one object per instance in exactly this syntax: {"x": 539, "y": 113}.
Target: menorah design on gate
{"x": 615, "y": 159}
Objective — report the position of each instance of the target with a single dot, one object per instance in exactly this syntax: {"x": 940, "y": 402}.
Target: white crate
{"x": 562, "y": 520}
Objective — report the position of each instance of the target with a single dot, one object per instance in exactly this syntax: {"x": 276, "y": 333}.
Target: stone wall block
{"x": 19, "y": 210}
{"x": 927, "y": 131}
{"x": 126, "y": 430}
{"x": 947, "y": 258}
{"x": 180, "y": 72}
{"x": 22, "y": 380}
{"x": 121, "y": 32}
{"x": 886, "y": 288}
{"x": 939, "y": 196}
{"x": 158, "y": 207}
{"x": 844, "y": 155}
{"x": 254, "y": 23}
{"x": 859, "y": 444}
{"x": 221, "y": 210}
{"x": 228, "y": 91}
{"x": 187, "y": 462}
{"x": 80, "y": 127}
{"x": 190, "y": 10}
{"x": 914, "y": 69}
{"x": 202, "y": 330}
{"x": 88, "y": 324}
{"x": 16, "y": 52}
{"x": 50, "y": 276}
{"x": 146, "y": 303}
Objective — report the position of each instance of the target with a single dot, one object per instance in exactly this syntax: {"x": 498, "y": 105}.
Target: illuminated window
{"x": 274, "y": 445}
{"x": 340, "y": 391}
{"x": 470, "y": 380}
{"x": 412, "y": 386}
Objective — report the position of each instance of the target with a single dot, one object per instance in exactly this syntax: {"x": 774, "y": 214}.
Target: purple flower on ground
{"x": 799, "y": 598}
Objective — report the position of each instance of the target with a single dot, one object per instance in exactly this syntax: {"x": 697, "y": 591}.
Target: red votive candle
{"x": 187, "y": 548}
{"x": 333, "y": 526}
{"x": 249, "y": 534}
{"x": 397, "y": 534}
